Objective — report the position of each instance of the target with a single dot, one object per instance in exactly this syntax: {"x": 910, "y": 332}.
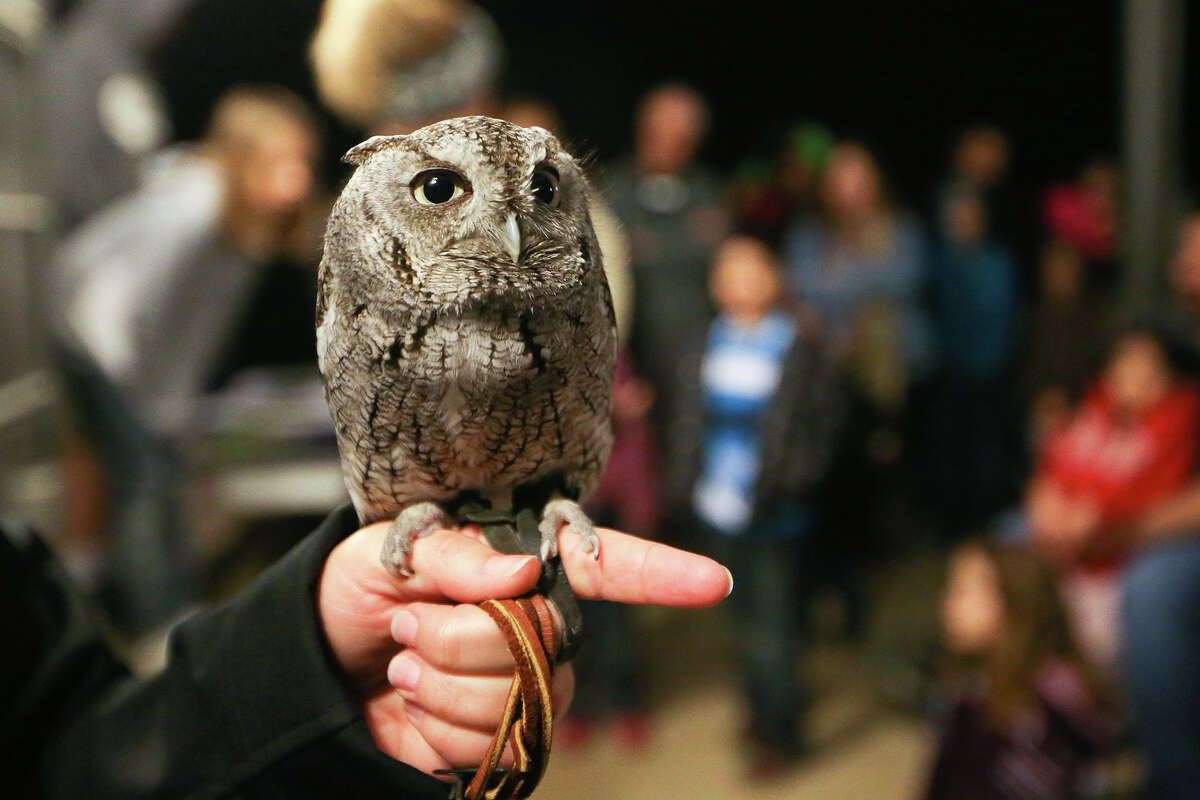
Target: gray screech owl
{"x": 465, "y": 329}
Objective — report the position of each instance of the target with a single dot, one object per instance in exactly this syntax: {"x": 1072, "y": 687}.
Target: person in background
{"x": 1066, "y": 328}
{"x": 673, "y": 212}
{"x": 102, "y": 113}
{"x": 752, "y": 435}
{"x": 1160, "y": 592}
{"x": 975, "y": 305}
{"x": 147, "y": 295}
{"x": 1085, "y": 214}
{"x": 327, "y": 677}
{"x": 980, "y": 162}
{"x": 1023, "y": 717}
{"x": 392, "y": 66}
{"x": 1131, "y": 445}
{"x": 862, "y": 266}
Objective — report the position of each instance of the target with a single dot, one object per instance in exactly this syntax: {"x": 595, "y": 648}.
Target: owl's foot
{"x": 559, "y": 512}
{"x": 419, "y": 519}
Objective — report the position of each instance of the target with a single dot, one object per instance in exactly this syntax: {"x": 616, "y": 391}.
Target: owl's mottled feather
{"x": 449, "y": 365}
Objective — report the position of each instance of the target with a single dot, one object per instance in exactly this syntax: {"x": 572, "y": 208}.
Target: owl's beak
{"x": 510, "y": 237}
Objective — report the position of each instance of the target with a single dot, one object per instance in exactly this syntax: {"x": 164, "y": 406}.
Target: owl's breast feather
{"x": 454, "y": 407}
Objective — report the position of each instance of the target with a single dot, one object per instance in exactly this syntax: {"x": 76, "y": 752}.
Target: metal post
{"x": 1154, "y": 43}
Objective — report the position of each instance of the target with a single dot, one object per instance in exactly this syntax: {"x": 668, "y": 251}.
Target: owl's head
{"x": 464, "y": 210}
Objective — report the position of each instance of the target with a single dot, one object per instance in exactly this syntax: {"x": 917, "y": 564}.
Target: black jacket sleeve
{"x": 251, "y": 703}
{"x": 803, "y": 422}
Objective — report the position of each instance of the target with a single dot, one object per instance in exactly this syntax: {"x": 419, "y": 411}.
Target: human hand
{"x": 437, "y": 703}
{"x": 1081, "y": 524}
{"x": 1062, "y": 526}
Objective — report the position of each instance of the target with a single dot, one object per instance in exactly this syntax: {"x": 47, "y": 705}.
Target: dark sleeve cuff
{"x": 251, "y": 701}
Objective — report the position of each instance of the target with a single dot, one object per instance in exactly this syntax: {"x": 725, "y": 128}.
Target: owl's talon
{"x": 397, "y": 555}
{"x": 559, "y": 512}
{"x": 419, "y": 519}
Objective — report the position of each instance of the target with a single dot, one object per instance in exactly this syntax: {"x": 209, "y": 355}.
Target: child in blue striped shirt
{"x": 751, "y": 435}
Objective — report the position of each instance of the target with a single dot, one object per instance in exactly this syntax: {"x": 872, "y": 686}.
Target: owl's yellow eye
{"x": 436, "y": 186}
{"x": 544, "y": 185}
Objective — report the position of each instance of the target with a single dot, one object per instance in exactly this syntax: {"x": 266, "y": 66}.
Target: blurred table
{"x": 262, "y": 448}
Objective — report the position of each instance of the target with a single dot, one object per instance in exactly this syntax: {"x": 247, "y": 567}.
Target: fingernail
{"x": 404, "y": 627}
{"x": 506, "y": 566}
{"x": 729, "y": 591}
{"x": 415, "y": 712}
{"x": 403, "y": 673}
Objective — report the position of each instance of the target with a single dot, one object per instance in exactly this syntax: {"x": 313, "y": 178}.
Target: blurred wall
{"x": 28, "y": 412}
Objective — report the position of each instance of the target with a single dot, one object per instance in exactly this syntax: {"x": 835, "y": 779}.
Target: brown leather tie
{"x": 528, "y": 721}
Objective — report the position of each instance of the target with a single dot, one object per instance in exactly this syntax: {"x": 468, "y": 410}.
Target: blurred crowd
{"x": 818, "y": 376}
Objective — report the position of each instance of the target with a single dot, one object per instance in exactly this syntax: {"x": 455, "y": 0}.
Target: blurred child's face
{"x": 972, "y": 605}
{"x": 745, "y": 280}
{"x": 1138, "y": 375}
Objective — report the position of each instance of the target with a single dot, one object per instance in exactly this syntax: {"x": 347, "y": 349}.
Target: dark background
{"x": 904, "y": 77}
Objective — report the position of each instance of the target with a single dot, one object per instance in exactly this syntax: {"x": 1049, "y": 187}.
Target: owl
{"x": 465, "y": 330}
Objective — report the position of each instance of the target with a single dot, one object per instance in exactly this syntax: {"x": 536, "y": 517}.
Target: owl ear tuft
{"x": 361, "y": 152}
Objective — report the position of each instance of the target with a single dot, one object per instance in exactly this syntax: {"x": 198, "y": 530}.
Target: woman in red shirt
{"x": 1130, "y": 445}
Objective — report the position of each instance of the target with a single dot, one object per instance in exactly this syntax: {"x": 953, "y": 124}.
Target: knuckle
{"x": 446, "y": 644}
{"x": 439, "y": 546}
{"x": 433, "y": 695}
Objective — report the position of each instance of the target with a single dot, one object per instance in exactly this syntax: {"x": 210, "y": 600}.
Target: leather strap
{"x": 528, "y": 722}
